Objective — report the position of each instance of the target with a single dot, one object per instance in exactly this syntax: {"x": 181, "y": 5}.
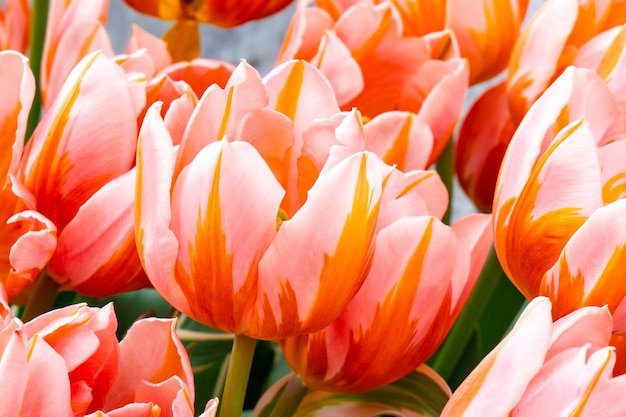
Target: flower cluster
{"x": 299, "y": 211}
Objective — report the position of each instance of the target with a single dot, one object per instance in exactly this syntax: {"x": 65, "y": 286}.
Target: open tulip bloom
{"x": 185, "y": 236}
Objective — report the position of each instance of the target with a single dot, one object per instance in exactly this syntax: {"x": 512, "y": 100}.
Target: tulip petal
{"x": 75, "y": 30}
{"x": 75, "y": 150}
{"x": 150, "y": 353}
{"x": 226, "y": 189}
{"x": 298, "y": 291}
{"x": 219, "y": 112}
{"x": 30, "y": 252}
{"x": 48, "y": 389}
{"x": 563, "y": 189}
{"x": 156, "y": 243}
{"x": 99, "y": 258}
{"x": 486, "y": 32}
{"x": 18, "y": 86}
{"x": 529, "y": 340}
{"x": 586, "y": 271}
{"x": 401, "y": 139}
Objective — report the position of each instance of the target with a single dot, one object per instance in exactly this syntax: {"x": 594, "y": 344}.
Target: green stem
{"x": 452, "y": 348}
{"x": 445, "y": 169}
{"x": 37, "y": 37}
{"x": 237, "y": 376}
{"x": 291, "y": 397}
{"x": 42, "y": 297}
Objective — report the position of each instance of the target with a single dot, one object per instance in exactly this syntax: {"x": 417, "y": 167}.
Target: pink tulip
{"x": 421, "y": 275}
{"x": 78, "y": 167}
{"x": 15, "y": 25}
{"x": 546, "y": 368}
{"x": 302, "y": 169}
{"x": 28, "y": 237}
{"x": 559, "y": 201}
{"x": 68, "y": 362}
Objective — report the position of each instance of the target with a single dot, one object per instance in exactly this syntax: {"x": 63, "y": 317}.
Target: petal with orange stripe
{"x": 331, "y": 236}
{"x": 224, "y": 213}
{"x": 589, "y": 269}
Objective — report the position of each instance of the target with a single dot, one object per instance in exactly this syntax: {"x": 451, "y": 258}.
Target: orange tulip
{"x": 78, "y": 167}
{"x": 559, "y": 202}
{"x": 546, "y": 369}
{"x": 225, "y": 13}
{"x": 421, "y": 275}
{"x": 485, "y": 30}
{"x": 374, "y": 67}
{"x": 28, "y": 237}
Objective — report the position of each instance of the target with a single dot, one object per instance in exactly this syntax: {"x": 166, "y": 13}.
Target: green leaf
{"x": 421, "y": 393}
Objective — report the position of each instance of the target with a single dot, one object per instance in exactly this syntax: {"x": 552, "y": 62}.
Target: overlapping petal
{"x": 406, "y": 305}
{"x": 543, "y": 367}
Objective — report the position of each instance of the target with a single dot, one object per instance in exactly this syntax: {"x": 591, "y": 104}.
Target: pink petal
{"x": 156, "y": 47}
{"x": 219, "y": 112}
{"x": 75, "y": 31}
{"x": 443, "y": 86}
{"x": 150, "y": 353}
{"x": 227, "y": 188}
{"x": 300, "y": 91}
{"x": 157, "y": 245}
{"x": 99, "y": 258}
{"x": 31, "y": 251}
{"x": 401, "y": 139}
{"x": 542, "y": 41}
{"x": 48, "y": 388}
{"x": 585, "y": 273}
{"x": 338, "y": 220}
{"x": 75, "y": 150}
{"x": 529, "y": 340}
{"x": 335, "y": 61}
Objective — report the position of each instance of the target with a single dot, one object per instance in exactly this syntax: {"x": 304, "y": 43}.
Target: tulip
{"x": 78, "y": 167}
{"x": 421, "y": 275}
{"x": 84, "y": 338}
{"x": 28, "y": 237}
{"x": 257, "y": 134}
{"x": 546, "y": 368}
{"x": 484, "y": 30}
{"x": 15, "y": 25}
{"x": 554, "y": 46}
{"x": 69, "y": 362}
{"x": 586, "y": 35}
{"x": 376, "y": 68}
{"x": 559, "y": 199}
{"x": 221, "y": 13}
